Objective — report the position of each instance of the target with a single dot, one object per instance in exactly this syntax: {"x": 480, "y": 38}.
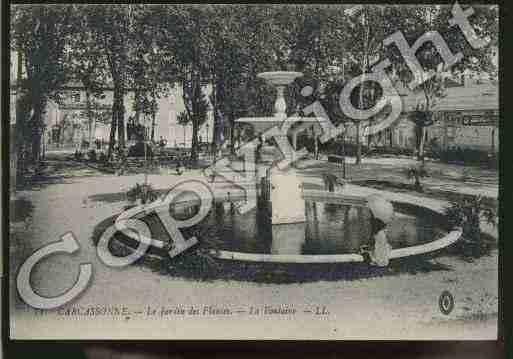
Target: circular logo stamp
{"x": 446, "y": 302}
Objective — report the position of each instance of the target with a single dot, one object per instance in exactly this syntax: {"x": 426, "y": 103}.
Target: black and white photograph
{"x": 253, "y": 172}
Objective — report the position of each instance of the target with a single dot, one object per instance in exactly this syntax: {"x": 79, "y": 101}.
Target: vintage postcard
{"x": 300, "y": 172}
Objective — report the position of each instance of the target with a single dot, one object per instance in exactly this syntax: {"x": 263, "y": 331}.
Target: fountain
{"x": 291, "y": 224}
{"x": 285, "y": 198}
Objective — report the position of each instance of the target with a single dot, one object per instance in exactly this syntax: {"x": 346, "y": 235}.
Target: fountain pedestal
{"x": 288, "y": 238}
{"x": 287, "y": 202}
{"x": 284, "y": 194}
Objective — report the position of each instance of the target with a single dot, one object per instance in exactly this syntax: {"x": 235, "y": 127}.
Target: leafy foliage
{"x": 214, "y": 52}
{"x": 143, "y": 192}
{"x": 78, "y": 156}
{"x": 200, "y": 264}
{"x": 467, "y": 214}
{"x": 425, "y": 18}
{"x": 92, "y": 155}
{"x": 40, "y": 34}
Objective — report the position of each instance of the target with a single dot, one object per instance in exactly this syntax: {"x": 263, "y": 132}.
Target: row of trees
{"x": 150, "y": 49}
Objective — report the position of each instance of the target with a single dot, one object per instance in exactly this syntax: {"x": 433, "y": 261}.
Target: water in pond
{"x": 331, "y": 228}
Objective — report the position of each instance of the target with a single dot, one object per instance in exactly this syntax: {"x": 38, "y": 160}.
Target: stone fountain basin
{"x": 437, "y": 244}
{"x": 280, "y": 78}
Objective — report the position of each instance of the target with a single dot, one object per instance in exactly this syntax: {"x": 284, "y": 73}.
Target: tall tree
{"x": 112, "y": 26}
{"x": 41, "y": 34}
{"x": 367, "y": 26}
{"x": 152, "y": 68}
{"x": 231, "y": 69}
{"x": 88, "y": 66}
{"x": 248, "y": 39}
{"x": 434, "y": 20}
{"x": 183, "y": 35}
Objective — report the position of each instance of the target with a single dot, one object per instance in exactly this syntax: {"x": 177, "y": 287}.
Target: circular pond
{"x": 330, "y": 229}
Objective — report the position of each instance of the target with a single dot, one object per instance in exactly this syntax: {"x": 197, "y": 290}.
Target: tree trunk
{"x": 420, "y": 154}
{"x": 218, "y": 101}
{"x": 17, "y": 148}
{"x": 94, "y": 128}
{"x": 194, "y": 113}
{"x": 358, "y": 144}
{"x": 89, "y": 118}
{"x": 119, "y": 98}
{"x": 37, "y": 125}
{"x": 232, "y": 135}
{"x": 153, "y": 127}
{"x": 316, "y": 146}
{"x": 361, "y": 98}
{"x": 112, "y": 135}
{"x": 36, "y": 145}
{"x": 194, "y": 140}
{"x": 137, "y": 110}
{"x": 493, "y": 141}
{"x": 118, "y": 123}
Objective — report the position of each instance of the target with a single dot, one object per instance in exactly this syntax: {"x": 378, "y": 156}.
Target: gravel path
{"x": 392, "y": 307}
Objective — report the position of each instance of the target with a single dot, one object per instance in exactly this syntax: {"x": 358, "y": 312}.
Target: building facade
{"x": 68, "y": 125}
{"x": 467, "y": 117}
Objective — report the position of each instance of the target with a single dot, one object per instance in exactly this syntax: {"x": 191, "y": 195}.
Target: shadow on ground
{"x": 20, "y": 210}
{"x": 53, "y": 170}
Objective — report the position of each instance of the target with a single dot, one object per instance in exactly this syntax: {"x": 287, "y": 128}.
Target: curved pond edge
{"x": 441, "y": 243}
{"x": 340, "y": 197}
{"x": 355, "y": 200}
